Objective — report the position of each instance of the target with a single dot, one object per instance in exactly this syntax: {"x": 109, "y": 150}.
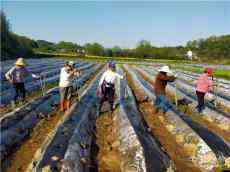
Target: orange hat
{"x": 209, "y": 71}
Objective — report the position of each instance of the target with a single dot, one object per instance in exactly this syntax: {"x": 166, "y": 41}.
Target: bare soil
{"x": 157, "y": 123}
{"x": 108, "y": 157}
{"x": 189, "y": 111}
{"x": 20, "y": 159}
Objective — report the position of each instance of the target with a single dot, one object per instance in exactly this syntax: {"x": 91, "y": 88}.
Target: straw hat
{"x": 20, "y": 62}
{"x": 165, "y": 69}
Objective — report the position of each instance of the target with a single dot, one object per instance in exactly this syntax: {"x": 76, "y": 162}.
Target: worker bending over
{"x": 106, "y": 89}
{"x": 67, "y": 75}
{"x": 164, "y": 76}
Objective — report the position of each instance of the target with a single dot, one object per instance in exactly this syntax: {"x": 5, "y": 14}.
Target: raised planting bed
{"x": 220, "y": 104}
{"x": 139, "y": 149}
{"x": 16, "y": 126}
{"x": 33, "y": 86}
{"x": 192, "y": 146}
{"x": 71, "y": 139}
{"x": 216, "y": 122}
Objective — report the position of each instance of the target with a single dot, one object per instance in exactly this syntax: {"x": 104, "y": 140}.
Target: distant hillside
{"x": 13, "y": 45}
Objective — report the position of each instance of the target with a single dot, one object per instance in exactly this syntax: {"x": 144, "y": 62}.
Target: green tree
{"x": 94, "y": 49}
{"x": 144, "y": 49}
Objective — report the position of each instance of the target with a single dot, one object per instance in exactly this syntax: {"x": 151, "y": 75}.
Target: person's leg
{"x": 16, "y": 92}
{"x": 62, "y": 98}
{"x": 200, "y": 99}
{"x": 15, "y": 95}
{"x": 165, "y": 104}
{"x": 162, "y": 101}
{"x": 69, "y": 97}
{"x": 111, "y": 93}
{"x": 157, "y": 101}
{"x": 202, "y": 102}
{"x": 23, "y": 91}
{"x": 101, "y": 99}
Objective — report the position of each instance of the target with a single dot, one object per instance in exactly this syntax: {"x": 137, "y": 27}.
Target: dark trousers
{"x": 19, "y": 88}
{"x": 66, "y": 93}
{"x": 200, "y": 98}
{"x": 108, "y": 95}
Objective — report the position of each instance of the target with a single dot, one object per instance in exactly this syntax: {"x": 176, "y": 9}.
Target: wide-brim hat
{"x": 20, "y": 62}
{"x": 165, "y": 69}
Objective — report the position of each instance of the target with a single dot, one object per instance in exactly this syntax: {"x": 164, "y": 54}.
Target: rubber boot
{"x": 68, "y": 104}
{"x": 62, "y": 105}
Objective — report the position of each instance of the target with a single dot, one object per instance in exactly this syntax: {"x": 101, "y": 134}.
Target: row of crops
{"x": 134, "y": 137}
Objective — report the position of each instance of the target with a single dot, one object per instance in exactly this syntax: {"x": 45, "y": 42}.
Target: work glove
{"x": 35, "y": 76}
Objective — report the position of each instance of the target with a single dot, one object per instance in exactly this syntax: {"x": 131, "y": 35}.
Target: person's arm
{"x": 119, "y": 76}
{"x": 31, "y": 74}
{"x": 166, "y": 78}
{"x": 102, "y": 78}
{"x": 8, "y": 75}
{"x": 195, "y": 82}
{"x": 171, "y": 78}
{"x": 210, "y": 85}
{"x": 77, "y": 73}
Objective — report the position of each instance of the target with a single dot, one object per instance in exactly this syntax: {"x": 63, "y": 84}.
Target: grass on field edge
{"x": 102, "y": 58}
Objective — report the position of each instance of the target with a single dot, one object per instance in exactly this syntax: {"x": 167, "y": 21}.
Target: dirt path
{"x": 108, "y": 157}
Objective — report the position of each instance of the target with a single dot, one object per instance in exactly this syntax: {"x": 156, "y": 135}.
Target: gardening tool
{"x": 175, "y": 96}
{"x": 126, "y": 86}
{"x": 76, "y": 89}
{"x": 176, "y": 101}
{"x": 42, "y": 84}
{"x": 215, "y": 89}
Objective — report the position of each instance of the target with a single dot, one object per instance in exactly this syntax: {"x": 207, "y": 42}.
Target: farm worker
{"x": 164, "y": 76}
{"x": 67, "y": 75}
{"x": 16, "y": 76}
{"x": 106, "y": 88}
{"x": 203, "y": 85}
{"x": 189, "y": 55}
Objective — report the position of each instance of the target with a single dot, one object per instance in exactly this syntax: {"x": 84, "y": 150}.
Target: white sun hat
{"x": 165, "y": 69}
{"x": 71, "y": 63}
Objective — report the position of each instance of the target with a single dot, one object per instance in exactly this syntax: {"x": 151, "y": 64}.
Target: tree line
{"x": 13, "y": 45}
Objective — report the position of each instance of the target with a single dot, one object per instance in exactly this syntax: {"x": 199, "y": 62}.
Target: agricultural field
{"x": 36, "y": 136}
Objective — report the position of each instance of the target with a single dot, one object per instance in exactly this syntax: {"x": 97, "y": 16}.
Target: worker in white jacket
{"x": 106, "y": 89}
{"x": 67, "y": 75}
